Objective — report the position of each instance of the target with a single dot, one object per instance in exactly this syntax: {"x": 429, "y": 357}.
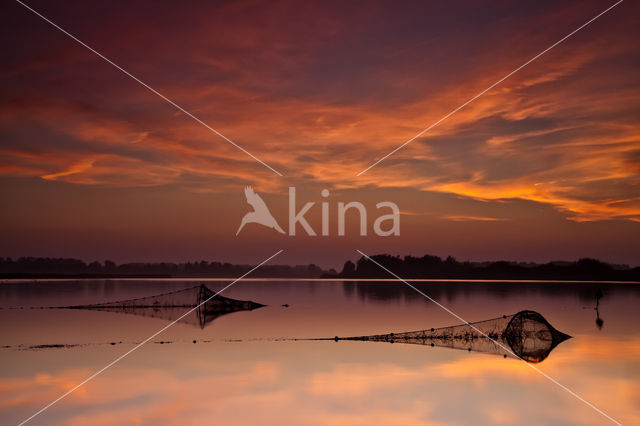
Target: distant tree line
{"x": 435, "y": 267}
{"x": 34, "y": 267}
{"x": 406, "y": 267}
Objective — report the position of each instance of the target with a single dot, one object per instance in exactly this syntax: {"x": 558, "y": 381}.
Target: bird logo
{"x": 260, "y": 213}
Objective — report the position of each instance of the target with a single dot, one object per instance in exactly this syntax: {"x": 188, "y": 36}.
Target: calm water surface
{"x": 239, "y": 372}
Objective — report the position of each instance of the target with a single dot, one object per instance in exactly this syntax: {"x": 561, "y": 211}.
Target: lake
{"x": 245, "y": 367}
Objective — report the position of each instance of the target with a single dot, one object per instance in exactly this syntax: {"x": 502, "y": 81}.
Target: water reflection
{"x": 599, "y": 321}
{"x": 172, "y": 306}
{"x": 527, "y": 335}
{"x": 311, "y": 382}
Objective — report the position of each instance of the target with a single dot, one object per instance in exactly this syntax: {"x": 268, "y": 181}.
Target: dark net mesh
{"x": 171, "y": 306}
{"x": 527, "y": 335}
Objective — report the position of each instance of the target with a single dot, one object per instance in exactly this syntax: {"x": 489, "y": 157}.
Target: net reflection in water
{"x": 172, "y": 305}
{"x": 527, "y": 335}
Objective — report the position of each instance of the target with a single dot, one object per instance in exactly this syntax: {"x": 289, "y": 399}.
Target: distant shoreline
{"x": 376, "y": 267}
{"x": 4, "y": 280}
{"x": 78, "y": 276}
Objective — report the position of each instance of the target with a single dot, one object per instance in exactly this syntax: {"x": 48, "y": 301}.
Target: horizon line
{"x": 266, "y": 279}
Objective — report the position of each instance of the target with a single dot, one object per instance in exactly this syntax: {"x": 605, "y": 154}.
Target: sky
{"x": 545, "y": 166}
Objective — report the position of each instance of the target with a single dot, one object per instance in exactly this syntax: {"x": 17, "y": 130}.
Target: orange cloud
{"x": 561, "y": 132}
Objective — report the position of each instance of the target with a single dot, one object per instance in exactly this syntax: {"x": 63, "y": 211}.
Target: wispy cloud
{"x": 318, "y": 93}
{"x": 456, "y": 218}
